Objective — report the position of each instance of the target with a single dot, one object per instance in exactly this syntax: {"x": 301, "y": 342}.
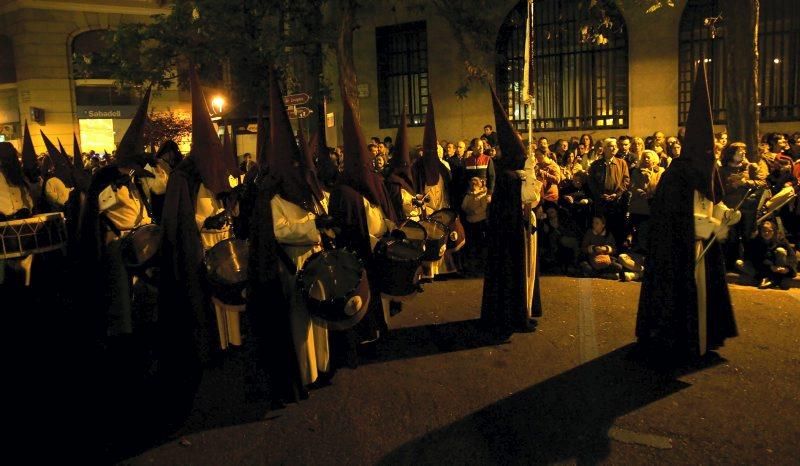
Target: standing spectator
{"x": 475, "y": 206}
{"x": 638, "y": 147}
{"x": 626, "y": 153}
{"x": 644, "y": 180}
{"x": 480, "y": 165}
{"x": 458, "y": 179}
{"x": 608, "y": 181}
{"x": 490, "y": 135}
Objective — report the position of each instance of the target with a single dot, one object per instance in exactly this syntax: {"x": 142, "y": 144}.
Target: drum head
{"x": 140, "y": 246}
{"x": 444, "y": 216}
{"x": 335, "y": 287}
{"x": 226, "y": 262}
{"x": 403, "y": 250}
{"x": 414, "y": 231}
{"x": 435, "y": 230}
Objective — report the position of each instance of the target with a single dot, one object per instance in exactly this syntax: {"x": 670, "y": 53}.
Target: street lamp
{"x": 217, "y": 103}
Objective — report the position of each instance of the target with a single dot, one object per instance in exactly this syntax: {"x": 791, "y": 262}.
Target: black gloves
{"x": 324, "y": 222}
{"x": 216, "y": 222}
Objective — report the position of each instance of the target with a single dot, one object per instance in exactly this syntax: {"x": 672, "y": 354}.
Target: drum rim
{"x": 36, "y": 220}
{"x": 355, "y": 318}
{"x": 207, "y": 255}
{"x": 128, "y": 238}
{"x": 301, "y": 272}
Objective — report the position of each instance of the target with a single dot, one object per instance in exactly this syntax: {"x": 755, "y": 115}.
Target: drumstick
{"x": 714, "y": 236}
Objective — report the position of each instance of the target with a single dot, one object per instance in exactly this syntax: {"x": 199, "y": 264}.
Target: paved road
{"x": 441, "y": 393}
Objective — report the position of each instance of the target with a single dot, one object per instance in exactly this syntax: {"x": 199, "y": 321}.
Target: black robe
{"x": 667, "y": 321}
{"x": 188, "y": 336}
{"x": 504, "y": 303}
{"x": 267, "y": 306}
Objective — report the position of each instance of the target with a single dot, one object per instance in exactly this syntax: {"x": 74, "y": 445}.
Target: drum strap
{"x": 287, "y": 261}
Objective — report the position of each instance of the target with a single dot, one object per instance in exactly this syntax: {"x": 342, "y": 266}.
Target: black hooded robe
{"x": 667, "y": 320}
{"x": 504, "y": 305}
{"x": 267, "y": 306}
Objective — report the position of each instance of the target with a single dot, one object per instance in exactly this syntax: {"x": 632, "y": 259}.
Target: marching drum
{"x": 436, "y": 239}
{"x": 140, "y": 247}
{"x": 415, "y": 233}
{"x": 335, "y": 288}
{"x": 455, "y": 235}
{"x": 34, "y": 235}
{"x": 398, "y": 266}
{"x": 226, "y": 269}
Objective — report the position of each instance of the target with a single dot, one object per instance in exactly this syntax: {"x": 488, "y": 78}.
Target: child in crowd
{"x": 770, "y": 259}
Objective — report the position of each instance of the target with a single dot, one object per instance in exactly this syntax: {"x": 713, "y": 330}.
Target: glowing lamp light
{"x": 217, "y": 103}
{"x": 777, "y": 61}
{"x": 707, "y": 60}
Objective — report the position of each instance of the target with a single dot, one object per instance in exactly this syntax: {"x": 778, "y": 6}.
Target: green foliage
{"x": 164, "y": 126}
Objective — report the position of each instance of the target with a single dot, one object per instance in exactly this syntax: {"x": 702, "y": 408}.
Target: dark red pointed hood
{"x": 327, "y": 171}
{"x": 400, "y": 164}
{"x": 206, "y": 151}
{"x": 285, "y": 159}
{"x": 10, "y": 166}
{"x": 512, "y": 150}
{"x": 430, "y": 148}
{"x": 230, "y": 154}
{"x": 698, "y": 144}
{"x": 30, "y": 163}
{"x": 358, "y": 169}
{"x": 77, "y": 157}
{"x": 61, "y": 166}
{"x": 131, "y": 147}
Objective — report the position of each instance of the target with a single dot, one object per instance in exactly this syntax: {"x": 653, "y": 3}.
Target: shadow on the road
{"x": 427, "y": 340}
{"x": 566, "y": 417}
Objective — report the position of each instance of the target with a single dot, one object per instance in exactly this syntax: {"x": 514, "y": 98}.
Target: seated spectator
{"x": 770, "y": 261}
{"x": 549, "y": 174}
{"x": 599, "y": 251}
{"x": 475, "y": 206}
{"x": 559, "y": 241}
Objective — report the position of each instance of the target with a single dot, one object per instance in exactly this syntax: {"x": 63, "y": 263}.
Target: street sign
{"x": 298, "y": 112}
{"x": 296, "y": 99}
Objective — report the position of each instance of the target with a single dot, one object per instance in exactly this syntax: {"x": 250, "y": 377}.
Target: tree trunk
{"x": 348, "y": 81}
{"x": 741, "y": 73}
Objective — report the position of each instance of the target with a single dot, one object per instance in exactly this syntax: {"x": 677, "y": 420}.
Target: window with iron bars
{"x": 402, "y": 58}
{"x": 778, "y": 52}
{"x": 579, "y": 82}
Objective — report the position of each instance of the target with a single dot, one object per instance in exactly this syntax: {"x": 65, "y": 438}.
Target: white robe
{"x": 531, "y": 196}
{"x": 296, "y": 231}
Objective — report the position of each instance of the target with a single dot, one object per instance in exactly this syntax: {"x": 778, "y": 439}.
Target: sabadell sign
{"x": 97, "y": 112}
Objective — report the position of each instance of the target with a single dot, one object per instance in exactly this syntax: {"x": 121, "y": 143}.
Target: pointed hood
{"x": 400, "y": 163}
{"x": 430, "y": 147}
{"x": 230, "y": 154}
{"x": 206, "y": 147}
{"x": 357, "y": 171}
{"x": 77, "y": 157}
{"x": 327, "y": 171}
{"x": 61, "y": 166}
{"x": 284, "y": 157}
{"x": 307, "y": 163}
{"x": 10, "y": 166}
{"x": 512, "y": 150}
{"x": 698, "y": 145}
{"x": 131, "y": 146}
{"x": 30, "y": 163}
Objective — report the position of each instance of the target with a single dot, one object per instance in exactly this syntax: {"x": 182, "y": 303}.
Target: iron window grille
{"x": 778, "y": 51}
{"x": 402, "y": 59}
{"x": 578, "y": 83}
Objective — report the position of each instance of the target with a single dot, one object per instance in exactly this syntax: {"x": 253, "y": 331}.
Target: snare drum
{"x": 455, "y": 231}
{"x": 34, "y": 235}
{"x": 140, "y": 247}
{"x": 436, "y": 240}
{"x": 397, "y": 266}
{"x": 335, "y": 288}
{"x": 415, "y": 233}
{"x": 226, "y": 268}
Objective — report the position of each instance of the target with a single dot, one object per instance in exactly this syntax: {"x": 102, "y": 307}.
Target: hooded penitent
{"x": 10, "y": 166}
{"x": 62, "y": 169}
{"x": 400, "y": 164}
{"x": 130, "y": 151}
{"x": 206, "y": 147}
{"x": 327, "y": 171}
{"x": 30, "y": 164}
{"x": 698, "y": 145}
{"x": 667, "y": 321}
{"x": 430, "y": 156}
{"x": 358, "y": 172}
{"x": 511, "y": 147}
{"x": 230, "y": 155}
{"x": 294, "y": 173}
{"x": 82, "y": 178}
{"x": 308, "y": 166}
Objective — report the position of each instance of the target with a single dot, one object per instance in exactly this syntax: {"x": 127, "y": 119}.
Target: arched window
{"x": 8, "y": 70}
{"x": 778, "y": 49}
{"x": 580, "y": 65}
